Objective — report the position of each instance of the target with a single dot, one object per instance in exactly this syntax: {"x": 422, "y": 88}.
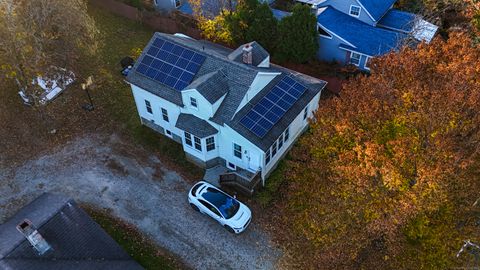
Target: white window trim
{"x": 327, "y": 37}
{"x": 359, "y": 11}
{"x": 168, "y": 135}
{"x": 165, "y": 114}
{"x": 195, "y": 145}
{"x": 196, "y": 102}
{"x": 241, "y": 151}
{"x": 366, "y": 63}
{"x": 359, "y": 58}
{"x": 230, "y": 167}
{"x": 214, "y": 144}
{"x": 148, "y": 105}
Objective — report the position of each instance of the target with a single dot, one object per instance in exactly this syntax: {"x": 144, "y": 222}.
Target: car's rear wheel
{"x": 229, "y": 229}
{"x": 194, "y": 207}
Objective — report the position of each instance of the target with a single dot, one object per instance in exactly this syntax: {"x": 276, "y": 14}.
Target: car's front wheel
{"x": 229, "y": 229}
{"x": 194, "y": 207}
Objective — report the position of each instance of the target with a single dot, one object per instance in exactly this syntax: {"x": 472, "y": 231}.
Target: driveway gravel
{"x": 107, "y": 172}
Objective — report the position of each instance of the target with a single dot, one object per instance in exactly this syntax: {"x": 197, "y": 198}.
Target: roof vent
{"x": 247, "y": 54}
{"x": 33, "y": 236}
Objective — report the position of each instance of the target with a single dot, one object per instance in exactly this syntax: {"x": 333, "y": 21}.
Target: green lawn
{"x": 141, "y": 249}
{"x": 122, "y": 37}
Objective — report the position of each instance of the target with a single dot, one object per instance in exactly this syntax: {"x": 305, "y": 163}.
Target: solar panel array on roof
{"x": 271, "y": 108}
{"x": 170, "y": 64}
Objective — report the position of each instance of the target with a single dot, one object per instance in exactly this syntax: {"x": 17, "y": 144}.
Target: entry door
{"x": 254, "y": 162}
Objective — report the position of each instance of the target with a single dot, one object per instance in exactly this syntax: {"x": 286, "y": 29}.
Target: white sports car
{"x": 225, "y": 209}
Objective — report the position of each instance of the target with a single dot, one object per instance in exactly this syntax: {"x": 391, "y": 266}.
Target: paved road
{"x": 108, "y": 173}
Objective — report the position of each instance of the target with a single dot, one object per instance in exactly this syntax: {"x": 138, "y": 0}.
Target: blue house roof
{"x": 399, "y": 20}
{"x": 364, "y": 38}
{"x": 377, "y": 8}
{"x": 279, "y": 14}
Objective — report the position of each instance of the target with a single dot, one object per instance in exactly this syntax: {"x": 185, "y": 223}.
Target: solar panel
{"x": 273, "y": 106}
{"x": 170, "y": 64}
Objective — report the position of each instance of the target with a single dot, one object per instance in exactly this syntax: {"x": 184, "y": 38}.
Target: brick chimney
{"x": 247, "y": 54}
{"x": 33, "y": 236}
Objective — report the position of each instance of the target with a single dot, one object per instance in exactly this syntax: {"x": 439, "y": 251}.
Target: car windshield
{"x": 227, "y": 205}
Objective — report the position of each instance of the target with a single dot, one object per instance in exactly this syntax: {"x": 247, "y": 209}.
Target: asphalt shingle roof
{"x": 222, "y": 74}
{"x": 377, "y": 8}
{"x": 195, "y": 125}
{"x": 259, "y": 54}
{"x": 365, "y": 38}
{"x": 212, "y": 86}
{"x": 400, "y": 20}
{"x": 77, "y": 241}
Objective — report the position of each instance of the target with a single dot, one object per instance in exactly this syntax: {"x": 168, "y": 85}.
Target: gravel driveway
{"x": 108, "y": 173}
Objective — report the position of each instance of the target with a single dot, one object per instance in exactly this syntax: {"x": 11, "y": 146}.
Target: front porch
{"x": 239, "y": 180}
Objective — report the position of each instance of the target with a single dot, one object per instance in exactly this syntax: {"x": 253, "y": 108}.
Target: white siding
{"x": 258, "y": 84}
{"x": 157, "y": 103}
{"x": 204, "y": 109}
{"x": 295, "y": 130}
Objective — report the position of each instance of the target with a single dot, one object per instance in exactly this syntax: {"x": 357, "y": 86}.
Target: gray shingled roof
{"x": 258, "y": 53}
{"x": 238, "y": 78}
{"x": 77, "y": 241}
{"x": 195, "y": 125}
{"x": 212, "y": 86}
{"x": 314, "y": 86}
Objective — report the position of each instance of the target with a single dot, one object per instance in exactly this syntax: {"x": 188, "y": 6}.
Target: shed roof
{"x": 398, "y": 20}
{"x": 195, "y": 125}
{"x": 77, "y": 241}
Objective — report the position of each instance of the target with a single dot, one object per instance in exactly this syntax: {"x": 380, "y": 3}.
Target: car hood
{"x": 241, "y": 217}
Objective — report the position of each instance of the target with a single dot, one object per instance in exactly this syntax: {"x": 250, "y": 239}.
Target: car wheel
{"x": 194, "y": 207}
{"x": 229, "y": 229}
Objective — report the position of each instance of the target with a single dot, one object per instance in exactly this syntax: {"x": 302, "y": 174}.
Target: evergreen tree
{"x": 263, "y": 27}
{"x": 297, "y": 36}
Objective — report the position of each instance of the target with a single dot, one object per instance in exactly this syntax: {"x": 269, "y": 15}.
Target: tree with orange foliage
{"x": 391, "y": 168}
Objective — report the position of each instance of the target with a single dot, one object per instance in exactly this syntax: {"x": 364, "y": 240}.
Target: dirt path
{"x": 106, "y": 172}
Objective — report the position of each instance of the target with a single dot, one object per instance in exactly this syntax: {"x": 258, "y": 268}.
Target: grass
{"x": 270, "y": 192}
{"x": 122, "y": 37}
{"x": 141, "y": 249}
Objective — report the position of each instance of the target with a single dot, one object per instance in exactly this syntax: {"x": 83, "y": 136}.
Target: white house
{"x": 226, "y": 107}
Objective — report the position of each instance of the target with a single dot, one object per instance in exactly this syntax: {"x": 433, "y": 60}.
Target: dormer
{"x": 251, "y": 54}
{"x": 204, "y": 95}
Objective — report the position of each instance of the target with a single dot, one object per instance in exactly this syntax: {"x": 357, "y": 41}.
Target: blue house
{"x": 354, "y": 31}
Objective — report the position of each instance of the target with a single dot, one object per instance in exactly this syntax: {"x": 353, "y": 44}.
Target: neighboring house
{"x": 226, "y": 107}
{"x": 354, "y": 31}
{"x": 52, "y": 232}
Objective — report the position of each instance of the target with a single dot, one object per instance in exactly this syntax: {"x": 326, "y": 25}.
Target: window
{"x": 267, "y": 156}
{"x": 210, "y": 144}
{"x": 367, "y": 63}
{"x": 168, "y": 132}
{"x": 149, "y": 106}
{"x": 188, "y": 138}
{"x": 355, "y": 11}
{"x": 210, "y": 207}
{"x": 305, "y": 113}
{"x": 165, "y": 115}
{"x": 231, "y": 166}
{"x": 280, "y": 142}
{"x": 193, "y": 102}
{"x": 177, "y": 3}
{"x": 286, "y": 134}
{"x": 274, "y": 149}
{"x": 355, "y": 58}
{"x": 323, "y": 33}
{"x": 198, "y": 143}
{"x": 237, "y": 150}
